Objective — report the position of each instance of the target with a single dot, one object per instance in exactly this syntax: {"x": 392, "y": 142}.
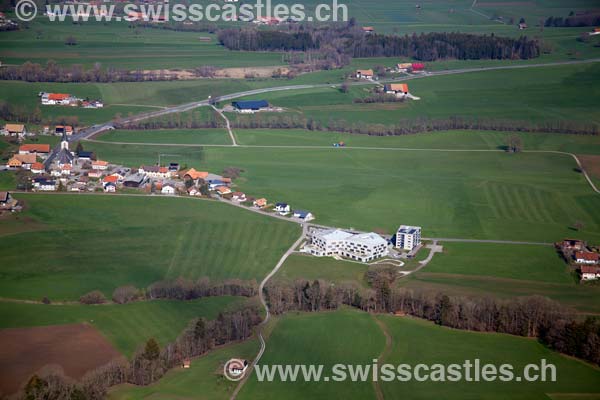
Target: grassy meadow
{"x": 483, "y": 195}
{"x": 178, "y": 136}
{"x": 81, "y": 243}
{"x": 126, "y": 326}
{"x": 202, "y": 381}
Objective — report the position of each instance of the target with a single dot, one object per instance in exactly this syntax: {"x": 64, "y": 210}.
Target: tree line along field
{"x": 126, "y": 326}
{"x": 351, "y": 337}
{"x": 483, "y": 195}
{"x": 84, "y": 243}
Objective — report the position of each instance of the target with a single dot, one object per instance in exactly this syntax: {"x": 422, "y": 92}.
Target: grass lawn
{"x": 417, "y": 341}
{"x": 83, "y": 243}
{"x": 347, "y": 337}
{"x": 531, "y": 263}
{"x": 311, "y": 268}
{"x": 526, "y": 196}
{"x": 127, "y": 326}
{"x": 7, "y": 180}
{"x": 179, "y": 136}
{"x": 460, "y": 139}
{"x": 203, "y": 381}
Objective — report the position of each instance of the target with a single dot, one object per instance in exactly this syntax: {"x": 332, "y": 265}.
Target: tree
{"x": 152, "y": 350}
{"x": 345, "y": 87}
{"x": 79, "y": 148}
{"x": 514, "y": 144}
{"x": 71, "y": 41}
{"x": 93, "y": 297}
{"x": 200, "y": 329}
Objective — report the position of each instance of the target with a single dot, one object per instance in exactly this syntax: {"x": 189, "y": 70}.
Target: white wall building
{"x": 408, "y": 237}
{"x": 362, "y": 247}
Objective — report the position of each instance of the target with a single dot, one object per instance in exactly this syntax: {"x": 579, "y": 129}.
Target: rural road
{"x": 261, "y": 295}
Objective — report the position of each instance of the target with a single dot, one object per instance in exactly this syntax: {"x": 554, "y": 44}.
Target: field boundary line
{"x": 387, "y": 349}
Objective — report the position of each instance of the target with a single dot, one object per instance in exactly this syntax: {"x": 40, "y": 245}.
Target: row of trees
{"x": 269, "y": 40}
{"x": 592, "y": 19}
{"x": 149, "y": 363}
{"x": 189, "y": 120}
{"x": 178, "y": 289}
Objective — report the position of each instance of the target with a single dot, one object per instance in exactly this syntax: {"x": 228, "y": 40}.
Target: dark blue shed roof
{"x": 250, "y": 104}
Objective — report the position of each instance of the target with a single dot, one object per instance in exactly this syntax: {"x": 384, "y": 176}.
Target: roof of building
{"x": 261, "y": 202}
{"x": 37, "y": 166}
{"x": 364, "y": 71}
{"x": 67, "y": 167}
{"x": 301, "y": 213}
{"x": 85, "y": 154}
{"x": 590, "y": 269}
{"x": 238, "y": 194}
{"x": 397, "y": 87}
{"x": 404, "y": 65}
{"x": 587, "y": 256}
{"x": 65, "y": 157}
{"x": 110, "y": 178}
{"x": 250, "y": 104}
{"x": 37, "y": 148}
{"x": 369, "y": 238}
{"x": 14, "y": 127}
{"x": 58, "y": 96}
{"x": 25, "y": 158}
{"x": 223, "y": 189}
{"x": 281, "y": 205}
{"x": 368, "y": 28}
{"x": 100, "y": 163}
{"x": 192, "y": 173}
{"x": 408, "y": 229}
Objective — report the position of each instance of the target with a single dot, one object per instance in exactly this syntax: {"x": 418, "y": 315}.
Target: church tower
{"x": 64, "y": 142}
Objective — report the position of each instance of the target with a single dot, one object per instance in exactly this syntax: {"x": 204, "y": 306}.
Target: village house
{"x": 408, "y": 237}
{"x": 398, "y": 89}
{"x": 222, "y": 190}
{"x": 61, "y": 130}
{"x": 572, "y": 245}
{"x": 589, "y": 273}
{"x": 110, "y": 179}
{"x": 41, "y": 149}
{"x": 95, "y": 174}
{"x": 250, "y": 106}
{"x": 192, "y": 191}
{"x": 37, "y": 168}
{"x": 17, "y": 130}
{"x": 282, "y": 208}
{"x": 134, "y": 181}
{"x": 66, "y": 169}
{"x": 45, "y": 185}
{"x": 168, "y": 189}
{"x": 403, "y": 67}
{"x": 154, "y": 171}
{"x": 195, "y": 175}
{"x": 84, "y": 155}
{"x": 100, "y": 165}
{"x": 238, "y": 196}
{"x": 368, "y": 29}
{"x": 363, "y": 247}
{"x": 260, "y": 203}
{"x": 304, "y": 215}
{"x": 586, "y": 257}
{"x": 110, "y": 187}
{"x": 51, "y": 99}
{"x": 24, "y": 161}
{"x": 364, "y": 74}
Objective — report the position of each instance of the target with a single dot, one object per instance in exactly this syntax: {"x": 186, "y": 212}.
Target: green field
{"x": 179, "y": 136}
{"x": 299, "y": 266}
{"x": 126, "y": 326}
{"x": 203, "y": 381}
{"x": 560, "y": 93}
{"x": 350, "y": 337}
{"x": 478, "y": 140}
{"x": 81, "y": 243}
{"x": 494, "y": 195}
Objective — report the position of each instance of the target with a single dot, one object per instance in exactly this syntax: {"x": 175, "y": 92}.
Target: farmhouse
{"x": 589, "y": 273}
{"x": 403, "y": 67}
{"x": 51, "y": 99}
{"x": 110, "y": 179}
{"x": 586, "y": 257}
{"x": 100, "y": 165}
{"x": 305, "y": 215}
{"x": 282, "y": 208}
{"x": 37, "y": 168}
{"x": 195, "y": 175}
{"x": 154, "y": 171}
{"x": 260, "y": 203}
{"x": 24, "y": 161}
{"x": 238, "y": 196}
{"x": 222, "y": 190}
{"x": 364, "y": 73}
{"x": 363, "y": 247}
{"x": 399, "y": 89}
{"x": 168, "y": 189}
{"x": 134, "y": 181}
{"x": 34, "y": 149}
{"x": 14, "y": 130}
{"x": 408, "y": 237}
{"x": 250, "y": 106}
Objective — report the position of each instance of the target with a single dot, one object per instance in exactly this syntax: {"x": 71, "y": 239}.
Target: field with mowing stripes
{"x": 83, "y": 243}
{"x": 529, "y": 196}
{"x": 126, "y": 326}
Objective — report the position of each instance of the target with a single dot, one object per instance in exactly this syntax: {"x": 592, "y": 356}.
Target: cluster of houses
{"x": 410, "y": 68}
{"x": 19, "y": 131}
{"x": 65, "y": 99}
{"x": 584, "y": 258}
{"x": 360, "y": 246}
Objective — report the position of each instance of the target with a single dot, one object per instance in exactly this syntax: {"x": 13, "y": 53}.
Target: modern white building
{"x": 362, "y": 247}
{"x": 408, "y": 237}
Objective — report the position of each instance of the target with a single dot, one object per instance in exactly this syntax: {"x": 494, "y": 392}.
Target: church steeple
{"x": 64, "y": 142}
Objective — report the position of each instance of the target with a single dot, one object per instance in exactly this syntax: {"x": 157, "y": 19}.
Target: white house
{"x": 586, "y": 257}
{"x": 100, "y": 165}
{"x": 305, "y": 215}
{"x": 238, "y": 196}
{"x": 408, "y": 237}
{"x": 590, "y": 273}
{"x": 46, "y": 186}
{"x": 154, "y": 171}
{"x": 364, "y": 74}
{"x": 282, "y": 208}
{"x": 363, "y": 247}
{"x": 167, "y": 189}
{"x": 110, "y": 188}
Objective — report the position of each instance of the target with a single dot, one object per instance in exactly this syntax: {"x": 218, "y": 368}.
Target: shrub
{"x": 93, "y": 297}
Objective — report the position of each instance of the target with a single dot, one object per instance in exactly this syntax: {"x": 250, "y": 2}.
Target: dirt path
{"x": 231, "y": 135}
{"x": 384, "y": 354}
